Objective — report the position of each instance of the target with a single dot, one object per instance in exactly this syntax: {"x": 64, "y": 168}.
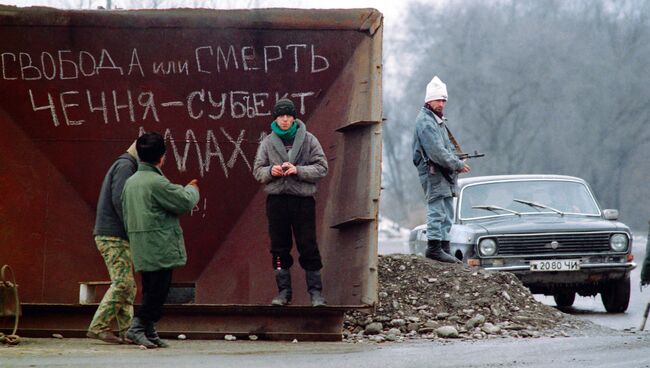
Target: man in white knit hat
{"x": 438, "y": 166}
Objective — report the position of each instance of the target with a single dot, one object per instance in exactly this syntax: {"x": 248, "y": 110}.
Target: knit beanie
{"x": 284, "y": 106}
{"x": 436, "y": 90}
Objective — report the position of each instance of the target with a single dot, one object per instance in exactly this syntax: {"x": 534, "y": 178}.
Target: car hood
{"x": 547, "y": 223}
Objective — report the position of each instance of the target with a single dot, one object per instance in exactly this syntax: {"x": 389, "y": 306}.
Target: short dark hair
{"x": 150, "y": 147}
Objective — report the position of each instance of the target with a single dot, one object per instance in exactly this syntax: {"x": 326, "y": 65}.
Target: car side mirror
{"x": 610, "y": 214}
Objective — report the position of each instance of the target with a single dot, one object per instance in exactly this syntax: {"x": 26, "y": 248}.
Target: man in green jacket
{"x": 152, "y": 205}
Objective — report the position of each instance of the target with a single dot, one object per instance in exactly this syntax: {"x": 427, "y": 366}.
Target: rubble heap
{"x": 421, "y": 298}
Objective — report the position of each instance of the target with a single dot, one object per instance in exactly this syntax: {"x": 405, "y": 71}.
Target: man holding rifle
{"x": 435, "y": 154}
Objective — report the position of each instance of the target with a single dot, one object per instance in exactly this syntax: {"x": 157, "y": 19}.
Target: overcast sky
{"x": 387, "y": 7}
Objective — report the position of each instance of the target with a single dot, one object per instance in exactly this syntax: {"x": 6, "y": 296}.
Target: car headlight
{"x": 618, "y": 242}
{"x": 487, "y": 247}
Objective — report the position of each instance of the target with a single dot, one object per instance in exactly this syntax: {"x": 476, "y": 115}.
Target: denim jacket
{"x": 431, "y": 140}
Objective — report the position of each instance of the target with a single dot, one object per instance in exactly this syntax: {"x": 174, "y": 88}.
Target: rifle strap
{"x": 453, "y": 139}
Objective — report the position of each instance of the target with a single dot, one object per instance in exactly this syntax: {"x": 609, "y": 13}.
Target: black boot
{"x": 283, "y": 279}
{"x": 446, "y": 246}
{"x": 435, "y": 252}
{"x": 136, "y": 334}
{"x": 315, "y": 288}
{"x": 152, "y": 335}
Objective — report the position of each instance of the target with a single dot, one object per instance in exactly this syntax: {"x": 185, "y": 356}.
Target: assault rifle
{"x": 464, "y": 156}
{"x": 446, "y": 173}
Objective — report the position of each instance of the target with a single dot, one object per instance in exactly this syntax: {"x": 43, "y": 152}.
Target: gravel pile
{"x": 421, "y": 298}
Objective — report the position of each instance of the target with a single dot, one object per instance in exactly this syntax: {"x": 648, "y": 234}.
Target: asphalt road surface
{"x": 625, "y": 350}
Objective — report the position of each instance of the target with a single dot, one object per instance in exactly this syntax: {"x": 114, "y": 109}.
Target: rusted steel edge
{"x": 364, "y": 20}
{"x": 202, "y": 308}
{"x": 353, "y": 221}
{"x": 203, "y": 321}
{"x": 355, "y": 124}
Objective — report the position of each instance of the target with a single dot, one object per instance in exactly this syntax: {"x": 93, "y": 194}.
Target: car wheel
{"x": 564, "y": 299}
{"x": 616, "y": 296}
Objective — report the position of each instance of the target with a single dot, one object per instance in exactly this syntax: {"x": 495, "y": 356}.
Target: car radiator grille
{"x": 541, "y": 244}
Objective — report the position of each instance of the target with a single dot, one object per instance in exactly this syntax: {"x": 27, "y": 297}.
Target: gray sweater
{"x": 306, "y": 154}
{"x": 109, "y": 220}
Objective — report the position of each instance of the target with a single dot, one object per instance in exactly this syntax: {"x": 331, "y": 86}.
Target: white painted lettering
{"x": 237, "y": 150}
{"x": 210, "y": 143}
{"x": 268, "y": 59}
{"x": 199, "y": 67}
{"x": 111, "y": 64}
{"x": 190, "y": 104}
{"x": 91, "y": 60}
{"x": 52, "y": 65}
{"x": 260, "y": 103}
{"x": 323, "y": 60}
{"x": 135, "y": 61}
{"x": 55, "y": 119}
{"x": 248, "y": 57}
{"x": 295, "y": 54}
{"x": 146, "y": 100}
{"x": 103, "y": 107}
{"x": 65, "y": 106}
{"x": 72, "y": 64}
{"x": 26, "y": 64}
{"x": 226, "y": 59}
{"x": 214, "y": 103}
{"x": 128, "y": 106}
{"x": 4, "y": 65}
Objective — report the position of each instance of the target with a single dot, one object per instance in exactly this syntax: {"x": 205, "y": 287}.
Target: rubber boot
{"x": 315, "y": 288}
{"x": 283, "y": 279}
{"x": 136, "y": 334}
{"x": 435, "y": 252}
{"x": 446, "y": 247}
{"x": 152, "y": 335}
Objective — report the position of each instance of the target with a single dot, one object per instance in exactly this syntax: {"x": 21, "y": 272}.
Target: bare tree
{"x": 540, "y": 86}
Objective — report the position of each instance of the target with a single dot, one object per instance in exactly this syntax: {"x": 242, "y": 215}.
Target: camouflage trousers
{"x": 117, "y": 303}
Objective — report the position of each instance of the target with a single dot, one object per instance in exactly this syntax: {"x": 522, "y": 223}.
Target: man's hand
{"x": 195, "y": 183}
{"x": 276, "y": 170}
{"x": 465, "y": 168}
{"x": 289, "y": 169}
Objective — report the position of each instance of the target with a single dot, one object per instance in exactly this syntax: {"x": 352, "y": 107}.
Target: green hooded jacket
{"x": 151, "y": 206}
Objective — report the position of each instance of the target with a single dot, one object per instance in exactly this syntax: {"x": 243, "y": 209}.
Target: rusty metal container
{"x": 77, "y": 87}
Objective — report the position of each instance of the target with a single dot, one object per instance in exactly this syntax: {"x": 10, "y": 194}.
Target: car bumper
{"x": 588, "y": 279}
{"x": 587, "y": 266}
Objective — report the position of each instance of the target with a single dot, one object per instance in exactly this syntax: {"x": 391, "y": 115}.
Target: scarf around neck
{"x": 284, "y": 134}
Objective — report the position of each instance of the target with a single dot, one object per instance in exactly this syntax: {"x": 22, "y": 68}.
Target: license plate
{"x": 552, "y": 265}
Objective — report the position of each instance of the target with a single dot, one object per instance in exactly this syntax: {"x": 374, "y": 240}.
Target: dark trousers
{"x": 155, "y": 287}
{"x": 287, "y": 214}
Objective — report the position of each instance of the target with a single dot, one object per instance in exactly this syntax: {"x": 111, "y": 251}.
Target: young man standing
{"x": 152, "y": 205}
{"x": 290, "y": 161}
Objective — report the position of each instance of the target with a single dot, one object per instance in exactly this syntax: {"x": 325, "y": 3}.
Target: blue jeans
{"x": 439, "y": 216}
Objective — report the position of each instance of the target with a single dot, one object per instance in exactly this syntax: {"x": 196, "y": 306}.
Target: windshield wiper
{"x": 535, "y": 204}
{"x": 494, "y": 209}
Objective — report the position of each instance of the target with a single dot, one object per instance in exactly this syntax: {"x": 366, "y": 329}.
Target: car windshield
{"x": 516, "y": 198}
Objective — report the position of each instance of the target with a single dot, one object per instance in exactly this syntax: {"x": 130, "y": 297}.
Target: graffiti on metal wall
{"x": 119, "y": 102}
